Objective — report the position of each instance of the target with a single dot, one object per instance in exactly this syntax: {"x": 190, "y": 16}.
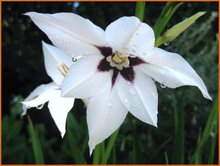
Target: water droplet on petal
{"x": 40, "y": 106}
{"x": 126, "y": 100}
{"x": 132, "y": 91}
{"x": 109, "y": 103}
{"x": 74, "y": 59}
{"x": 163, "y": 86}
{"x": 136, "y": 33}
{"x": 144, "y": 53}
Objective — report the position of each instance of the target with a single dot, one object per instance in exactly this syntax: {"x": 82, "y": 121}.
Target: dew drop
{"x": 163, "y": 86}
{"x": 40, "y": 106}
{"x": 109, "y": 103}
{"x": 136, "y": 33}
{"x": 126, "y": 100}
{"x": 74, "y": 59}
{"x": 132, "y": 91}
{"x": 144, "y": 53}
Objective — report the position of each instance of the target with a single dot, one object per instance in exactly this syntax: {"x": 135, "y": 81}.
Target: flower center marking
{"x": 118, "y": 63}
{"x": 118, "y": 60}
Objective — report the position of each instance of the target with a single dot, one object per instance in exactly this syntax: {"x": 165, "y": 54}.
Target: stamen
{"x": 63, "y": 68}
{"x": 119, "y": 58}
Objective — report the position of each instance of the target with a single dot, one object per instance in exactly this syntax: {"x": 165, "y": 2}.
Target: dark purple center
{"x": 127, "y": 73}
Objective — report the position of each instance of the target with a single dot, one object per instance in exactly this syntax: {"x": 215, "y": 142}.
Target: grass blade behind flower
{"x": 165, "y": 16}
{"x": 139, "y": 10}
{"x": 211, "y": 129}
{"x": 109, "y": 147}
{"x": 36, "y": 146}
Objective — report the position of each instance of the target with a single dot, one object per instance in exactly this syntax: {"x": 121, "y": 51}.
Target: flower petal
{"x": 172, "y": 70}
{"x": 41, "y": 99}
{"x": 71, "y": 33}
{"x": 59, "y": 108}
{"x": 37, "y": 92}
{"x": 53, "y": 59}
{"x": 105, "y": 114}
{"x": 140, "y": 98}
{"x": 128, "y": 34}
{"x": 84, "y": 80}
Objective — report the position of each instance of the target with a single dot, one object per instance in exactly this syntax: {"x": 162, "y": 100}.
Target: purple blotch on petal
{"x": 114, "y": 76}
{"x": 105, "y": 51}
{"x": 136, "y": 61}
{"x": 104, "y": 65}
{"x": 128, "y": 74}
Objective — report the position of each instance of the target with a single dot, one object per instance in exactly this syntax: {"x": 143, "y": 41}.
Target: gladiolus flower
{"x": 117, "y": 69}
{"x": 57, "y": 65}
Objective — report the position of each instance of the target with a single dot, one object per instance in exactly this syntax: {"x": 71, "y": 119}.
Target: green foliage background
{"x": 23, "y": 70}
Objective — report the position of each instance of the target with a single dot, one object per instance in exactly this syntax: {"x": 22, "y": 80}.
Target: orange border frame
{"x": 106, "y": 1}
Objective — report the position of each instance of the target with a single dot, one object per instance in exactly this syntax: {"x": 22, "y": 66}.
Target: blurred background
{"x": 23, "y": 70}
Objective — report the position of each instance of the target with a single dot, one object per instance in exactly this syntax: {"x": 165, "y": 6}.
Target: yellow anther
{"x": 63, "y": 68}
{"x": 118, "y": 58}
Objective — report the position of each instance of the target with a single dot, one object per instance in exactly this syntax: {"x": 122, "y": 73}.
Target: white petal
{"x": 140, "y": 97}
{"x": 105, "y": 114}
{"x": 172, "y": 70}
{"x": 53, "y": 58}
{"x": 128, "y": 34}
{"x": 37, "y": 92}
{"x": 71, "y": 33}
{"x": 59, "y": 108}
{"x": 83, "y": 79}
{"x": 41, "y": 99}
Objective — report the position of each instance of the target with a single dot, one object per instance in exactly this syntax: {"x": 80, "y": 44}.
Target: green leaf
{"x": 98, "y": 153}
{"x": 179, "y": 121}
{"x": 166, "y": 158}
{"x": 36, "y": 146}
{"x": 211, "y": 130}
{"x": 177, "y": 29}
{"x": 76, "y": 153}
{"x": 109, "y": 147}
{"x": 139, "y": 10}
{"x": 165, "y": 16}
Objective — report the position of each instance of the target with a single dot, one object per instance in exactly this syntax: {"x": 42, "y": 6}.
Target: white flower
{"x": 57, "y": 65}
{"x": 117, "y": 70}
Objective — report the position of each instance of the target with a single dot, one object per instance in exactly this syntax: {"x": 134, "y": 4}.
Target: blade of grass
{"x": 165, "y": 16}
{"x": 166, "y": 158}
{"x": 76, "y": 153}
{"x": 177, "y": 29}
{"x": 161, "y": 147}
{"x": 212, "y": 150}
{"x": 210, "y": 129}
{"x": 139, "y": 10}
{"x": 36, "y": 146}
{"x": 178, "y": 149}
{"x": 109, "y": 147}
{"x": 97, "y": 154}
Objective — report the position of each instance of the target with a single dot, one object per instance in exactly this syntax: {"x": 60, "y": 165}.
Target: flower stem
{"x": 178, "y": 155}
{"x": 109, "y": 147}
{"x": 139, "y": 10}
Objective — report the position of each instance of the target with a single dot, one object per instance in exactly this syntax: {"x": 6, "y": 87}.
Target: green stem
{"x": 139, "y": 10}
{"x": 109, "y": 147}
{"x": 178, "y": 153}
{"x": 97, "y": 154}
